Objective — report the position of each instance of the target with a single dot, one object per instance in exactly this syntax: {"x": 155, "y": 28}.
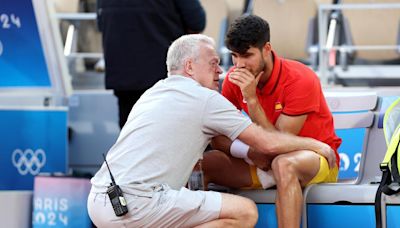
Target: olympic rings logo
{"x": 28, "y": 161}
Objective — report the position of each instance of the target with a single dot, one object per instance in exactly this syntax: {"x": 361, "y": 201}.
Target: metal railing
{"x": 70, "y": 47}
{"x": 326, "y": 38}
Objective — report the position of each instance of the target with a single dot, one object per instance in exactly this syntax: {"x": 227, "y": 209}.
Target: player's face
{"x": 253, "y": 60}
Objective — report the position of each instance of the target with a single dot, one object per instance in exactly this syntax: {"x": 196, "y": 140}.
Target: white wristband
{"x": 239, "y": 149}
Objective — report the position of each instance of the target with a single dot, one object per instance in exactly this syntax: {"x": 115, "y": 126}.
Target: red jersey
{"x": 293, "y": 89}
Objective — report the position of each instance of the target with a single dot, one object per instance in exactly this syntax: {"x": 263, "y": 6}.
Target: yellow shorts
{"x": 324, "y": 175}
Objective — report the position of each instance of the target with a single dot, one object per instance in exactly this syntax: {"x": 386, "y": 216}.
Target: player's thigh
{"x": 226, "y": 170}
{"x": 304, "y": 163}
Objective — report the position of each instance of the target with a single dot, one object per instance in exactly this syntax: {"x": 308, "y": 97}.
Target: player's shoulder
{"x": 298, "y": 72}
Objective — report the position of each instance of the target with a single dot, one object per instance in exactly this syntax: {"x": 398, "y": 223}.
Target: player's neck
{"x": 269, "y": 65}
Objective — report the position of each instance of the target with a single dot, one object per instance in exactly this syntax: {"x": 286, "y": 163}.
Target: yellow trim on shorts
{"x": 254, "y": 179}
{"x": 325, "y": 175}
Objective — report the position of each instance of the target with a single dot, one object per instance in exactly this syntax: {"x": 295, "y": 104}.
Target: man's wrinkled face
{"x": 206, "y": 67}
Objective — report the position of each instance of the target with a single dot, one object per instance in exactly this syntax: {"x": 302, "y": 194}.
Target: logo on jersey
{"x": 278, "y": 106}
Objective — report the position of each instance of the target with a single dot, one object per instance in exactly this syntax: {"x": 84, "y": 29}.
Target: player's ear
{"x": 267, "y": 47}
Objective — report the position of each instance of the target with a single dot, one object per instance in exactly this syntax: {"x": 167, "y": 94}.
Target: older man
{"x": 166, "y": 133}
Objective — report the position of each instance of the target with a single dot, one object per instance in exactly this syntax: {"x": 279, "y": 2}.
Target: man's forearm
{"x": 275, "y": 142}
{"x": 288, "y": 143}
{"x": 280, "y": 143}
{"x": 257, "y": 114}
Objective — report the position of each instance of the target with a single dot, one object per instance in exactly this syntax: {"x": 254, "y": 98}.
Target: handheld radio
{"x": 117, "y": 199}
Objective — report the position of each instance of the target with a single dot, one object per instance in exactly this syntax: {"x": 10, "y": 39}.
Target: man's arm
{"x": 285, "y": 123}
{"x": 223, "y": 143}
{"x": 291, "y": 124}
{"x": 257, "y": 114}
{"x": 275, "y": 143}
{"x": 247, "y": 83}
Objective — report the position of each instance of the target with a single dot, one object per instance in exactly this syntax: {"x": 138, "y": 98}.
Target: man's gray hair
{"x": 183, "y": 48}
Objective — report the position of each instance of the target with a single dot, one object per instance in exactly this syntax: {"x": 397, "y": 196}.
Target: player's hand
{"x": 326, "y": 151}
{"x": 260, "y": 160}
{"x": 246, "y": 81}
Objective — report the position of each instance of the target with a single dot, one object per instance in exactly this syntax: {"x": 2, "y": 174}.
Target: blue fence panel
{"x": 350, "y": 151}
{"x": 344, "y": 216}
{"x": 33, "y": 142}
{"x": 22, "y": 61}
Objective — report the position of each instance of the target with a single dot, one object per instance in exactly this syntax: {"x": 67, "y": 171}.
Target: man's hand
{"x": 246, "y": 81}
{"x": 326, "y": 151}
{"x": 260, "y": 160}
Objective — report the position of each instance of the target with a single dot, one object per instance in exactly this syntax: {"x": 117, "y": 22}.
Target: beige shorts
{"x": 166, "y": 208}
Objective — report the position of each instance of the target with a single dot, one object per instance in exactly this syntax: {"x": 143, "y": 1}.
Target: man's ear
{"x": 267, "y": 47}
{"x": 189, "y": 67}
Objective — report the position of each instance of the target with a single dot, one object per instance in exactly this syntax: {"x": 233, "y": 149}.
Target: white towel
{"x": 266, "y": 178}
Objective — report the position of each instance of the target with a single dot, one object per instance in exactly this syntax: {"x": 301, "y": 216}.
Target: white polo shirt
{"x": 166, "y": 133}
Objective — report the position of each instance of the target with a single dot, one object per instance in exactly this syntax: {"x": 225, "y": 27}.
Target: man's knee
{"x": 249, "y": 214}
{"x": 283, "y": 168}
{"x": 249, "y": 209}
{"x": 239, "y": 208}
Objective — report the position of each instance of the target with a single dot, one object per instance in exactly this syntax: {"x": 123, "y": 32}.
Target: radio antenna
{"x": 108, "y": 167}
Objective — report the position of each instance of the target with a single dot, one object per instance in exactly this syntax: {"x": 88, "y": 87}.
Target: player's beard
{"x": 261, "y": 67}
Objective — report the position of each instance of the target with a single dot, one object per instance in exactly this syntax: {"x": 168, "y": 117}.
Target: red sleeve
{"x": 302, "y": 94}
{"x": 231, "y": 92}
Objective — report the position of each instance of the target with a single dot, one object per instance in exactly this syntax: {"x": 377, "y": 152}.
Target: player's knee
{"x": 283, "y": 169}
